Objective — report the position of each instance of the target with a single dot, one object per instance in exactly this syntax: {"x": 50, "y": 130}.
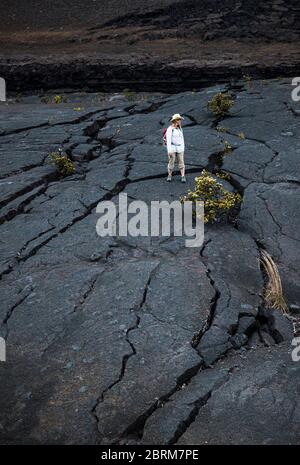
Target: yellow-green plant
{"x": 63, "y": 164}
{"x": 57, "y": 99}
{"x": 241, "y": 135}
{"x": 220, "y": 104}
{"x": 273, "y": 294}
{"x": 221, "y": 129}
{"x": 217, "y": 200}
{"x": 222, "y": 175}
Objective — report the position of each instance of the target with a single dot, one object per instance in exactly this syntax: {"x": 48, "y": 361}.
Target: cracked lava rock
{"x": 139, "y": 340}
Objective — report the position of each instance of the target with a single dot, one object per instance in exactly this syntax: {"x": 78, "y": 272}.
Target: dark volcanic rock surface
{"x": 167, "y": 45}
{"x": 221, "y": 18}
{"x": 135, "y": 339}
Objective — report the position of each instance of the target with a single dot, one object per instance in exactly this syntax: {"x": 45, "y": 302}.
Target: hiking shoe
{"x": 169, "y": 178}
{"x": 183, "y": 179}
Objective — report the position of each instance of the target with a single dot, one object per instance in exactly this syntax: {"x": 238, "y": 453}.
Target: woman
{"x": 175, "y": 147}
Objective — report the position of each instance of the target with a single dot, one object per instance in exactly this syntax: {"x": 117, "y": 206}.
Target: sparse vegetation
{"x": 241, "y": 135}
{"x": 45, "y": 99}
{"x": 63, "y": 164}
{"x": 58, "y": 99}
{"x": 221, "y": 129}
{"x": 129, "y": 94}
{"x": 222, "y": 175}
{"x": 99, "y": 97}
{"x": 248, "y": 79}
{"x": 273, "y": 294}
{"x": 220, "y": 104}
{"x": 19, "y": 97}
{"x": 217, "y": 200}
{"x": 227, "y": 148}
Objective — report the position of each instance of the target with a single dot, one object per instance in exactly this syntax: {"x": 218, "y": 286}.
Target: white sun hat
{"x": 176, "y": 116}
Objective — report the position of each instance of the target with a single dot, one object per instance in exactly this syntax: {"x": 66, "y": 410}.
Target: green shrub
{"x": 220, "y": 104}
{"x": 57, "y": 99}
{"x": 63, "y": 164}
{"x": 217, "y": 200}
{"x": 60, "y": 99}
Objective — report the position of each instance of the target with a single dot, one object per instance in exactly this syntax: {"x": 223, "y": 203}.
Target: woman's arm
{"x": 169, "y": 139}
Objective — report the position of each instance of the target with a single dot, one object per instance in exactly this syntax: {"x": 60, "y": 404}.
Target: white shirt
{"x": 175, "y": 140}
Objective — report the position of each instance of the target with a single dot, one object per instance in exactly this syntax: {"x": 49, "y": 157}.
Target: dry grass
{"x": 273, "y": 293}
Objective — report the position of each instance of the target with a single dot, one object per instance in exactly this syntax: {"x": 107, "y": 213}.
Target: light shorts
{"x": 180, "y": 160}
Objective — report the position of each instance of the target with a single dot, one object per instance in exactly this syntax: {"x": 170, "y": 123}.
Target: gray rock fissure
{"x": 141, "y": 340}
